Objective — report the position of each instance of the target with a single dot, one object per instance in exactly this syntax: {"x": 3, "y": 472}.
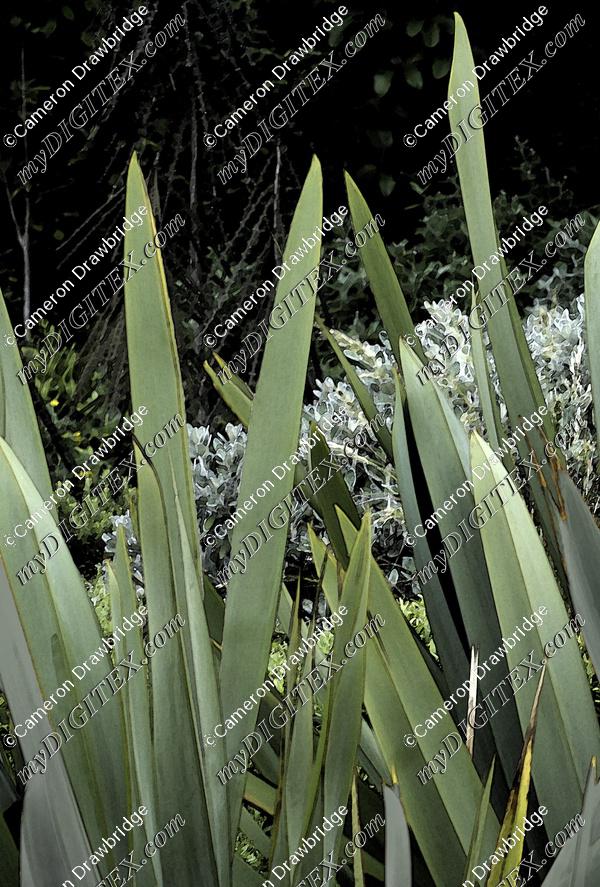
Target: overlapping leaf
{"x": 522, "y": 582}
{"x": 272, "y": 438}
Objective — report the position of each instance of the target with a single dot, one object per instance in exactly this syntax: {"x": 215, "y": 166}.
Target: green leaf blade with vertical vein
{"x": 386, "y": 288}
{"x": 252, "y": 597}
{"x": 523, "y": 581}
{"x": 520, "y": 386}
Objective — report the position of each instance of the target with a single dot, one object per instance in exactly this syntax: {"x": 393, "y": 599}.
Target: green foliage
{"x": 416, "y": 615}
{"x": 72, "y": 426}
{"x": 78, "y": 420}
{"x": 437, "y": 259}
{"x": 427, "y": 34}
{"x": 545, "y": 738}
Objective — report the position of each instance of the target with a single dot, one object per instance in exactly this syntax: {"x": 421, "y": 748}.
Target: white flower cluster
{"x": 556, "y": 339}
{"x": 555, "y": 336}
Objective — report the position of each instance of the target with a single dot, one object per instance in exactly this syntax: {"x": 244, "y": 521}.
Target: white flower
{"x": 555, "y": 336}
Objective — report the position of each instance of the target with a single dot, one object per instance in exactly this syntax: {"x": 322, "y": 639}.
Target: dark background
{"x": 233, "y": 232}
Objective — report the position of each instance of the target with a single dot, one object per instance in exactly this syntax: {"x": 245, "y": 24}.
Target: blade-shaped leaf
{"x": 45, "y": 854}
{"x": 398, "y": 867}
{"x": 578, "y": 863}
{"x": 361, "y": 391}
{"x": 447, "y": 469}
{"x": 134, "y": 699}
{"x": 476, "y": 850}
{"x": 520, "y": 386}
{"x": 169, "y": 540}
{"x": 579, "y": 539}
{"x": 359, "y": 880}
{"x": 59, "y": 630}
{"x": 234, "y": 391}
{"x": 447, "y": 640}
{"x": 387, "y": 291}
{"x": 331, "y": 495}
{"x": 517, "y": 801}
{"x": 345, "y": 711}
{"x": 272, "y": 438}
{"x": 522, "y": 582}
{"x": 399, "y": 692}
{"x": 485, "y": 388}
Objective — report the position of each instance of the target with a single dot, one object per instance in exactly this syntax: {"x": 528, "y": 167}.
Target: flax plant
{"x": 348, "y": 745}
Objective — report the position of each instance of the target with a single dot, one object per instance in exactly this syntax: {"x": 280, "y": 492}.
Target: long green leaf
{"x": 476, "y": 849}
{"x": 443, "y": 628}
{"x": 208, "y": 710}
{"x": 520, "y": 386}
{"x": 331, "y": 495}
{"x": 60, "y": 631}
{"x": 485, "y": 388}
{"x": 272, "y": 438}
{"x": 44, "y": 855}
{"x": 134, "y": 699}
{"x": 167, "y": 534}
{"x": 387, "y": 291}
{"x": 234, "y": 392}
{"x": 361, "y": 391}
{"x": 522, "y": 582}
{"x": 578, "y": 863}
{"x": 399, "y": 692}
{"x": 579, "y": 538}
{"x": 447, "y": 468}
{"x": 398, "y": 867}
{"x": 345, "y": 711}
{"x": 518, "y": 799}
